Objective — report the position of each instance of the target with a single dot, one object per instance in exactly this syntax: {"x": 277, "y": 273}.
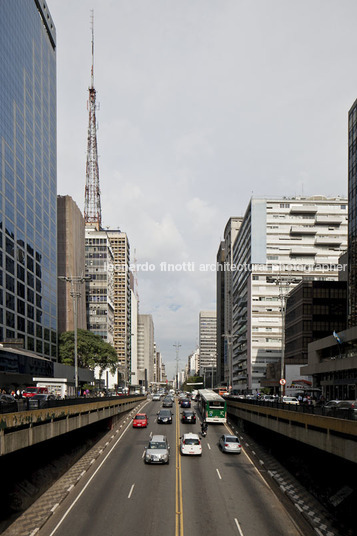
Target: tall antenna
{"x": 92, "y": 208}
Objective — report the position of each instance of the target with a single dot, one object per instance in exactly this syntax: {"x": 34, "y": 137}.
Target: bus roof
{"x": 208, "y": 395}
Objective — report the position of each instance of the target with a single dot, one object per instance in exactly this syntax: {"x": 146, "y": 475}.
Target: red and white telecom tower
{"x": 92, "y": 207}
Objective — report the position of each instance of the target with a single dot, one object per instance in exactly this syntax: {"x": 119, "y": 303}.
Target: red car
{"x": 140, "y": 420}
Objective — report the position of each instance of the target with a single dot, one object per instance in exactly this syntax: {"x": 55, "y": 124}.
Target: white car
{"x": 191, "y": 444}
{"x": 290, "y": 400}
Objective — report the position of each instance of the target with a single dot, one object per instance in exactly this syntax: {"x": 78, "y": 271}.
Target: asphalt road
{"x": 213, "y": 494}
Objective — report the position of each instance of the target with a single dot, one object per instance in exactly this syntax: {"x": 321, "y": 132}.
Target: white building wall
{"x": 134, "y": 338}
{"x": 279, "y": 239}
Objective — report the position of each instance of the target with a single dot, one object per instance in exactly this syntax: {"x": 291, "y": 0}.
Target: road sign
{"x": 282, "y": 381}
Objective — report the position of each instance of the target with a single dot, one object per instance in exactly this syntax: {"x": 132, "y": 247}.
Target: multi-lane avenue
{"x": 212, "y": 494}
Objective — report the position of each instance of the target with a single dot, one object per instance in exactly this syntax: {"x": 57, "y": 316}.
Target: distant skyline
{"x": 202, "y": 105}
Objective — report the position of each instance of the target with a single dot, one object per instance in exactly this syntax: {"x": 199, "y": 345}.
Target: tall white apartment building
{"x": 279, "y": 242}
{"x": 146, "y": 350}
{"x": 207, "y": 341}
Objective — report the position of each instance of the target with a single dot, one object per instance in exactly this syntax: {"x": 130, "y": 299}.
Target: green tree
{"x": 92, "y": 351}
{"x": 192, "y": 379}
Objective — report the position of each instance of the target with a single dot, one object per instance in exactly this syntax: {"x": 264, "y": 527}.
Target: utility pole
{"x": 177, "y": 345}
{"x": 76, "y": 282}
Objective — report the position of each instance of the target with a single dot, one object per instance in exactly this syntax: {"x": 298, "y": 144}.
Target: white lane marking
{"x": 54, "y": 507}
{"x": 238, "y": 527}
{"x": 209, "y": 446}
{"x": 89, "y": 481}
{"x": 131, "y": 491}
{"x": 143, "y": 454}
{"x": 35, "y": 531}
{"x": 219, "y": 474}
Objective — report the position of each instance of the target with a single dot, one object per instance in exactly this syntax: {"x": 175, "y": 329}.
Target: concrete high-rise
{"x": 207, "y": 342}
{"x": 122, "y": 333}
{"x": 28, "y": 204}
{"x": 280, "y": 242}
{"x": 352, "y": 215}
{"x": 146, "y": 349}
{"x": 71, "y": 263}
{"x": 225, "y": 303}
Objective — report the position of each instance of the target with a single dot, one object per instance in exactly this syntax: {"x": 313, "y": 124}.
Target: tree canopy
{"x": 192, "y": 379}
{"x": 92, "y": 351}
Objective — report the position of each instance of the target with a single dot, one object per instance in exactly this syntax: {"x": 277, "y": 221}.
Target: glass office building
{"x": 352, "y": 215}
{"x": 28, "y": 241}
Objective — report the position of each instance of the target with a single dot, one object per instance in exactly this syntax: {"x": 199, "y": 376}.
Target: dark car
{"x": 185, "y": 403}
{"x": 329, "y": 409}
{"x": 167, "y": 402}
{"x": 40, "y": 401}
{"x": 188, "y": 416}
{"x": 164, "y": 416}
{"x": 8, "y": 403}
{"x": 346, "y": 409}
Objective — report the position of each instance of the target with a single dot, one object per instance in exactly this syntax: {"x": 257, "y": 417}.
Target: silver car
{"x": 158, "y": 450}
{"x": 230, "y": 443}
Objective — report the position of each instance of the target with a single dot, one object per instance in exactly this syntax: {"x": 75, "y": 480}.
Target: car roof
{"x": 158, "y": 438}
{"x": 191, "y": 435}
{"x": 141, "y": 414}
{"x": 230, "y": 435}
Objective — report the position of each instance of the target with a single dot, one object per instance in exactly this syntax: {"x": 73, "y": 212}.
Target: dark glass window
{"x": 30, "y": 311}
{"x": 20, "y": 306}
{"x": 10, "y": 320}
{"x": 20, "y": 323}
{"x": 10, "y": 265}
{"x": 30, "y": 328}
{"x": 10, "y": 283}
{"x": 20, "y": 290}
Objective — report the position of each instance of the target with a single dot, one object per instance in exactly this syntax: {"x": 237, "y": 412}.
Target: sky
{"x": 202, "y": 104}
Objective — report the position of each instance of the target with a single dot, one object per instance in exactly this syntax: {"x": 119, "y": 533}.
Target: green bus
{"x": 212, "y": 406}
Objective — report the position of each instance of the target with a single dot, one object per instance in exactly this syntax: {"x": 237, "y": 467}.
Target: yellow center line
{"x": 178, "y": 493}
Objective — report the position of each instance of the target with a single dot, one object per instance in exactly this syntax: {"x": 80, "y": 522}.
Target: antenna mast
{"x": 92, "y": 207}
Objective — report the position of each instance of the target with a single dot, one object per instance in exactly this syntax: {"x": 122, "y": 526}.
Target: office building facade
{"x": 280, "y": 242}
{"x": 99, "y": 261}
{"x": 352, "y": 215}
{"x": 207, "y": 342}
{"x": 28, "y": 201}
{"x": 122, "y": 333}
{"x": 225, "y": 303}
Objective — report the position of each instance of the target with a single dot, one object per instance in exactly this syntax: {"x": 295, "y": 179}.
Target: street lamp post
{"x": 75, "y": 282}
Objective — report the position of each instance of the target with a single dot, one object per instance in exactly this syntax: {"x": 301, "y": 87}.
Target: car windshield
{"x": 192, "y": 441}
{"x": 165, "y": 413}
{"x": 140, "y": 417}
{"x": 31, "y": 390}
{"x": 157, "y": 445}
{"x": 232, "y": 440}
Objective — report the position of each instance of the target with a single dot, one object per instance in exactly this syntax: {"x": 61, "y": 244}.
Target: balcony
{"x": 328, "y": 219}
{"x": 303, "y": 209}
{"x": 328, "y": 241}
{"x": 301, "y": 230}
{"x": 303, "y": 252}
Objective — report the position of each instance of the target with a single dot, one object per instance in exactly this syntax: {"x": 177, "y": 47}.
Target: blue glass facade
{"x": 28, "y": 219}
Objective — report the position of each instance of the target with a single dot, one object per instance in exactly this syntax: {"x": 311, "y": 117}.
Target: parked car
{"x": 8, "y": 403}
{"x": 329, "y": 408}
{"x": 158, "y": 450}
{"x": 164, "y": 416}
{"x": 188, "y": 416}
{"x": 140, "y": 420}
{"x": 347, "y": 409}
{"x": 290, "y": 400}
{"x": 230, "y": 443}
{"x": 191, "y": 444}
{"x": 40, "y": 401}
{"x": 185, "y": 403}
{"x": 167, "y": 402}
